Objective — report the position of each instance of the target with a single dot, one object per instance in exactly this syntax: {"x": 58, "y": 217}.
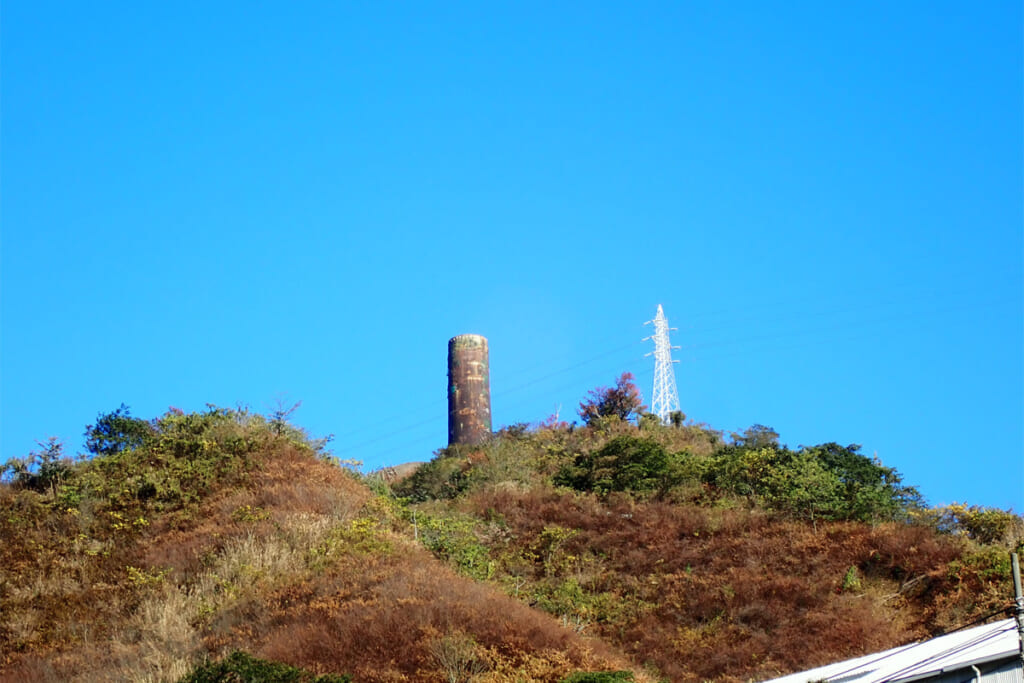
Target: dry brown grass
{"x": 76, "y": 606}
{"x": 733, "y": 594}
{"x": 379, "y": 617}
{"x": 243, "y": 574}
{"x": 301, "y": 564}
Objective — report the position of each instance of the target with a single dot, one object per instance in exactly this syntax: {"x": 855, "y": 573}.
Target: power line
{"x": 899, "y": 295}
{"x": 564, "y": 370}
{"x": 431, "y": 404}
{"x": 907, "y": 648}
{"x": 853, "y": 330}
{"x": 949, "y": 652}
{"x": 362, "y": 446}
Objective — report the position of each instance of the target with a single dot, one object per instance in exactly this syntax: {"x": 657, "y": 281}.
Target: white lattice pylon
{"x": 666, "y": 397}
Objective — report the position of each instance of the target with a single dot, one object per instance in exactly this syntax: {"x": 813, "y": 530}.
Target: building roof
{"x": 960, "y": 650}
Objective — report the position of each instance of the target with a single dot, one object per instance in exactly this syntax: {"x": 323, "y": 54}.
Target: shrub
{"x": 363, "y": 535}
{"x": 851, "y": 581}
{"x": 43, "y": 470}
{"x": 869, "y": 491}
{"x": 986, "y": 563}
{"x": 818, "y": 482}
{"x": 443, "y": 477}
{"x": 181, "y": 459}
{"x": 453, "y": 540}
{"x": 458, "y": 656}
{"x": 599, "y": 677}
{"x": 800, "y": 485}
{"x": 239, "y": 666}
{"x": 622, "y": 401}
{"x": 626, "y": 463}
{"x": 985, "y": 525}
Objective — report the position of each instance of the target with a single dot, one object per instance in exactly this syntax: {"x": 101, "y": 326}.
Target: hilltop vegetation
{"x": 193, "y": 536}
{"x": 225, "y": 545}
{"x": 706, "y": 557}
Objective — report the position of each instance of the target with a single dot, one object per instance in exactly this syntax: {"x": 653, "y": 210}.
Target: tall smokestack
{"x": 469, "y": 390}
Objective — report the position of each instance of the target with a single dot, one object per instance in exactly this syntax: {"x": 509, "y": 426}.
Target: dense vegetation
{"x": 704, "y": 556}
{"x": 238, "y": 666}
{"x": 225, "y": 545}
{"x": 180, "y": 540}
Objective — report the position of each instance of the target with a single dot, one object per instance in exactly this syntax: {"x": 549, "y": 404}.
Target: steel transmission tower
{"x": 666, "y": 397}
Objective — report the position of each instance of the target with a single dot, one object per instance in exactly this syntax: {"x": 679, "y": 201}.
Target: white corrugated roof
{"x": 919, "y": 660}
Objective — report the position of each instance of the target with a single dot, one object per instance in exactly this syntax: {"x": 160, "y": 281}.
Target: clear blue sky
{"x": 230, "y": 202}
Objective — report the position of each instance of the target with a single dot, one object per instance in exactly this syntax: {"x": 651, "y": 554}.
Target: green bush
{"x": 986, "y": 525}
{"x": 987, "y": 562}
{"x": 818, "y": 482}
{"x": 851, "y": 581}
{"x": 599, "y": 677}
{"x": 444, "y": 477}
{"x": 184, "y": 456}
{"x": 242, "y": 668}
{"x": 142, "y": 468}
{"x": 626, "y": 463}
{"x": 453, "y": 540}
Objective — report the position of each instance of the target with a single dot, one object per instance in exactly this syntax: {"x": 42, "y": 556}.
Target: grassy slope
{"x": 727, "y": 594}
{"x": 291, "y": 560}
{"x": 699, "y": 586}
{"x": 252, "y": 542}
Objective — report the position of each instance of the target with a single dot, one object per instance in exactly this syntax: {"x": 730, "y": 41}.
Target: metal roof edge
{"x": 862, "y": 670}
{"x": 957, "y": 667}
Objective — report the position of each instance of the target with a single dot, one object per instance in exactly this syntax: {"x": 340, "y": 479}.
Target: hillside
{"x": 222, "y": 531}
{"x": 665, "y": 551}
{"x": 707, "y": 560}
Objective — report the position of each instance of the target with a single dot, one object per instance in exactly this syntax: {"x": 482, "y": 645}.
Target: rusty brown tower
{"x": 469, "y": 389}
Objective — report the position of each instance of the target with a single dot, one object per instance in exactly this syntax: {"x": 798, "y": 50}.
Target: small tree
{"x": 987, "y": 525}
{"x": 756, "y": 436}
{"x": 622, "y": 401}
{"x": 457, "y": 654}
{"x": 798, "y": 483}
{"x": 43, "y": 470}
{"x": 280, "y": 415}
{"x": 870, "y": 491}
{"x": 117, "y": 431}
{"x": 648, "y": 422}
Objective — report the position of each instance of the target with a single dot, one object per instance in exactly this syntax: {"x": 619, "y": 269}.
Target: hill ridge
{"x": 541, "y": 552}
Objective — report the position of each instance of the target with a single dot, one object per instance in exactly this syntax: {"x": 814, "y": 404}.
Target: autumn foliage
{"x": 222, "y": 533}
{"x": 622, "y": 401}
{"x": 224, "y": 541}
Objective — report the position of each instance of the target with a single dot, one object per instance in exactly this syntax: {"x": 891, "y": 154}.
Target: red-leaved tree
{"x": 622, "y": 400}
